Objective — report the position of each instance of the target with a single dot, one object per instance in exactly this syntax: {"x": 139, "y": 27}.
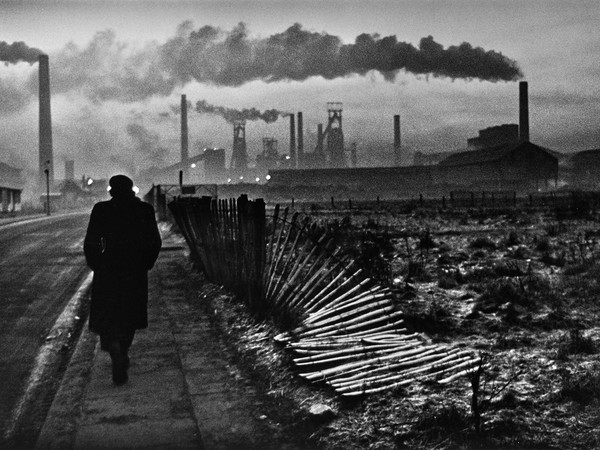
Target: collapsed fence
{"x": 343, "y": 328}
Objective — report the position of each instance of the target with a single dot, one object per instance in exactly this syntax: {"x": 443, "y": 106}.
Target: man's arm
{"x": 92, "y": 245}
{"x": 154, "y": 240}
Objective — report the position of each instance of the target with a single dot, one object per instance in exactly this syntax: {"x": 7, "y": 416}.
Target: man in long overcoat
{"x": 121, "y": 245}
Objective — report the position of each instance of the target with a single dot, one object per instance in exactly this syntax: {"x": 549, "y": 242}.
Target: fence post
{"x": 332, "y": 203}
{"x": 292, "y": 202}
{"x": 242, "y": 218}
{"x": 349, "y": 203}
{"x": 260, "y": 254}
{"x": 443, "y": 202}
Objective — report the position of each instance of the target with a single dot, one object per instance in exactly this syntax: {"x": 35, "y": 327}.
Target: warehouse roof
{"x": 10, "y": 177}
{"x": 490, "y": 154}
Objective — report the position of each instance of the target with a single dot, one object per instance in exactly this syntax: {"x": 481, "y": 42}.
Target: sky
{"x": 448, "y": 67}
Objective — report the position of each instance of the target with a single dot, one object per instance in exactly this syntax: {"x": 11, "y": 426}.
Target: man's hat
{"x": 120, "y": 183}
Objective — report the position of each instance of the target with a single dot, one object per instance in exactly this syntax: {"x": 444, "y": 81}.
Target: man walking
{"x": 121, "y": 245}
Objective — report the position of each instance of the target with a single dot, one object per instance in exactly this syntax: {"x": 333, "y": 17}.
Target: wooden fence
{"x": 227, "y": 237}
{"x": 343, "y": 328}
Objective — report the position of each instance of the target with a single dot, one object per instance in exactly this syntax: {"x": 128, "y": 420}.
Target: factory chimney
{"x": 523, "y": 112}
{"x": 184, "y": 130}
{"x": 397, "y": 142}
{"x": 320, "y": 138}
{"x": 300, "y": 141}
{"x": 69, "y": 170}
{"x": 292, "y": 141}
{"x": 46, "y": 161}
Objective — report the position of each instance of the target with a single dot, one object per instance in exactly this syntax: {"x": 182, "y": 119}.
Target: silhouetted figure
{"x": 121, "y": 244}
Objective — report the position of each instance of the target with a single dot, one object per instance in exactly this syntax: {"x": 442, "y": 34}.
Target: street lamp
{"x": 47, "y": 172}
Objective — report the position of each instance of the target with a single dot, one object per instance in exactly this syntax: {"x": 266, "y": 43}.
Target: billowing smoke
{"x": 147, "y": 143}
{"x": 18, "y": 52}
{"x": 107, "y": 69}
{"x": 231, "y": 115}
{"x": 210, "y": 55}
{"x": 110, "y": 70}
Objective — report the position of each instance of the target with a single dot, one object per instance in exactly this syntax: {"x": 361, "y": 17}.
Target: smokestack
{"x": 293, "y": 141}
{"x": 523, "y": 112}
{"x": 184, "y": 130}
{"x": 45, "y": 133}
{"x": 397, "y": 142}
{"x": 69, "y": 169}
{"x": 320, "y": 138}
{"x": 300, "y": 140}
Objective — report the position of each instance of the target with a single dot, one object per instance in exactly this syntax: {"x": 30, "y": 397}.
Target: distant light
{"x": 89, "y": 181}
{"x": 268, "y": 177}
{"x": 193, "y": 166}
{"x": 108, "y": 188}
{"x": 136, "y": 189}
{"x": 288, "y": 157}
{"x": 229, "y": 180}
{"x": 257, "y": 179}
{"x": 397, "y": 280}
{"x": 241, "y": 178}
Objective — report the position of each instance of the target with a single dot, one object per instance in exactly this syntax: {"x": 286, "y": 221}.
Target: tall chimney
{"x": 45, "y": 133}
{"x": 320, "y": 138}
{"x": 300, "y": 140}
{"x": 397, "y": 142}
{"x": 69, "y": 169}
{"x": 293, "y": 141}
{"x": 523, "y": 112}
{"x": 184, "y": 130}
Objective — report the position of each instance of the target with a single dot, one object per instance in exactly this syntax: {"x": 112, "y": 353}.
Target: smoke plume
{"x": 108, "y": 69}
{"x": 210, "y": 55}
{"x": 17, "y": 52}
{"x": 147, "y": 143}
{"x": 231, "y": 115}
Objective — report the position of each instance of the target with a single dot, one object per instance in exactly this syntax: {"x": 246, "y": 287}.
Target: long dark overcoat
{"x": 121, "y": 244}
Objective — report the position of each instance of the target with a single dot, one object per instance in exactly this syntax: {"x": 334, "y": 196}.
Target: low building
{"x": 584, "y": 170}
{"x": 521, "y": 167}
{"x": 11, "y": 188}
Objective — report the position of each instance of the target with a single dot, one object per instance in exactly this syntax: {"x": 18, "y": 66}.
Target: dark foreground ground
{"x": 521, "y": 289}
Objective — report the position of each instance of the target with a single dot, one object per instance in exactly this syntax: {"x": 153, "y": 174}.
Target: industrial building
{"x": 522, "y": 167}
{"x": 582, "y": 170}
{"x": 500, "y": 158}
{"x": 11, "y": 187}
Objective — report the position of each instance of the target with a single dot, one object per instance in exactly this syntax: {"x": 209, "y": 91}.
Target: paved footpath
{"x": 182, "y": 392}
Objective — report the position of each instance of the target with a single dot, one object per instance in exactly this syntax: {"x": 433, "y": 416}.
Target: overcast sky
{"x": 448, "y": 67}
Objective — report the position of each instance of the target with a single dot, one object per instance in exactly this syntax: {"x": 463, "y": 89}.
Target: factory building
{"x": 11, "y": 187}
{"x": 582, "y": 170}
{"x": 522, "y": 167}
{"x": 500, "y": 158}
{"x": 494, "y": 136}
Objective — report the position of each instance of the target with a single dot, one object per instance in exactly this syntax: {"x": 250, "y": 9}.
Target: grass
{"x": 574, "y": 342}
{"x": 483, "y": 243}
{"x": 583, "y": 387}
{"x": 498, "y": 293}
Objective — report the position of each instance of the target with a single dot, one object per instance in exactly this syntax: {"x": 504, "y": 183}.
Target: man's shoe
{"x": 119, "y": 373}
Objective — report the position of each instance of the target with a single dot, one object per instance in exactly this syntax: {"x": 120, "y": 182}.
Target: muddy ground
{"x": 522, "y": 288}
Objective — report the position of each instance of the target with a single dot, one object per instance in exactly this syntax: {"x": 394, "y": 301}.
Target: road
{"x": 41, "y": 266}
